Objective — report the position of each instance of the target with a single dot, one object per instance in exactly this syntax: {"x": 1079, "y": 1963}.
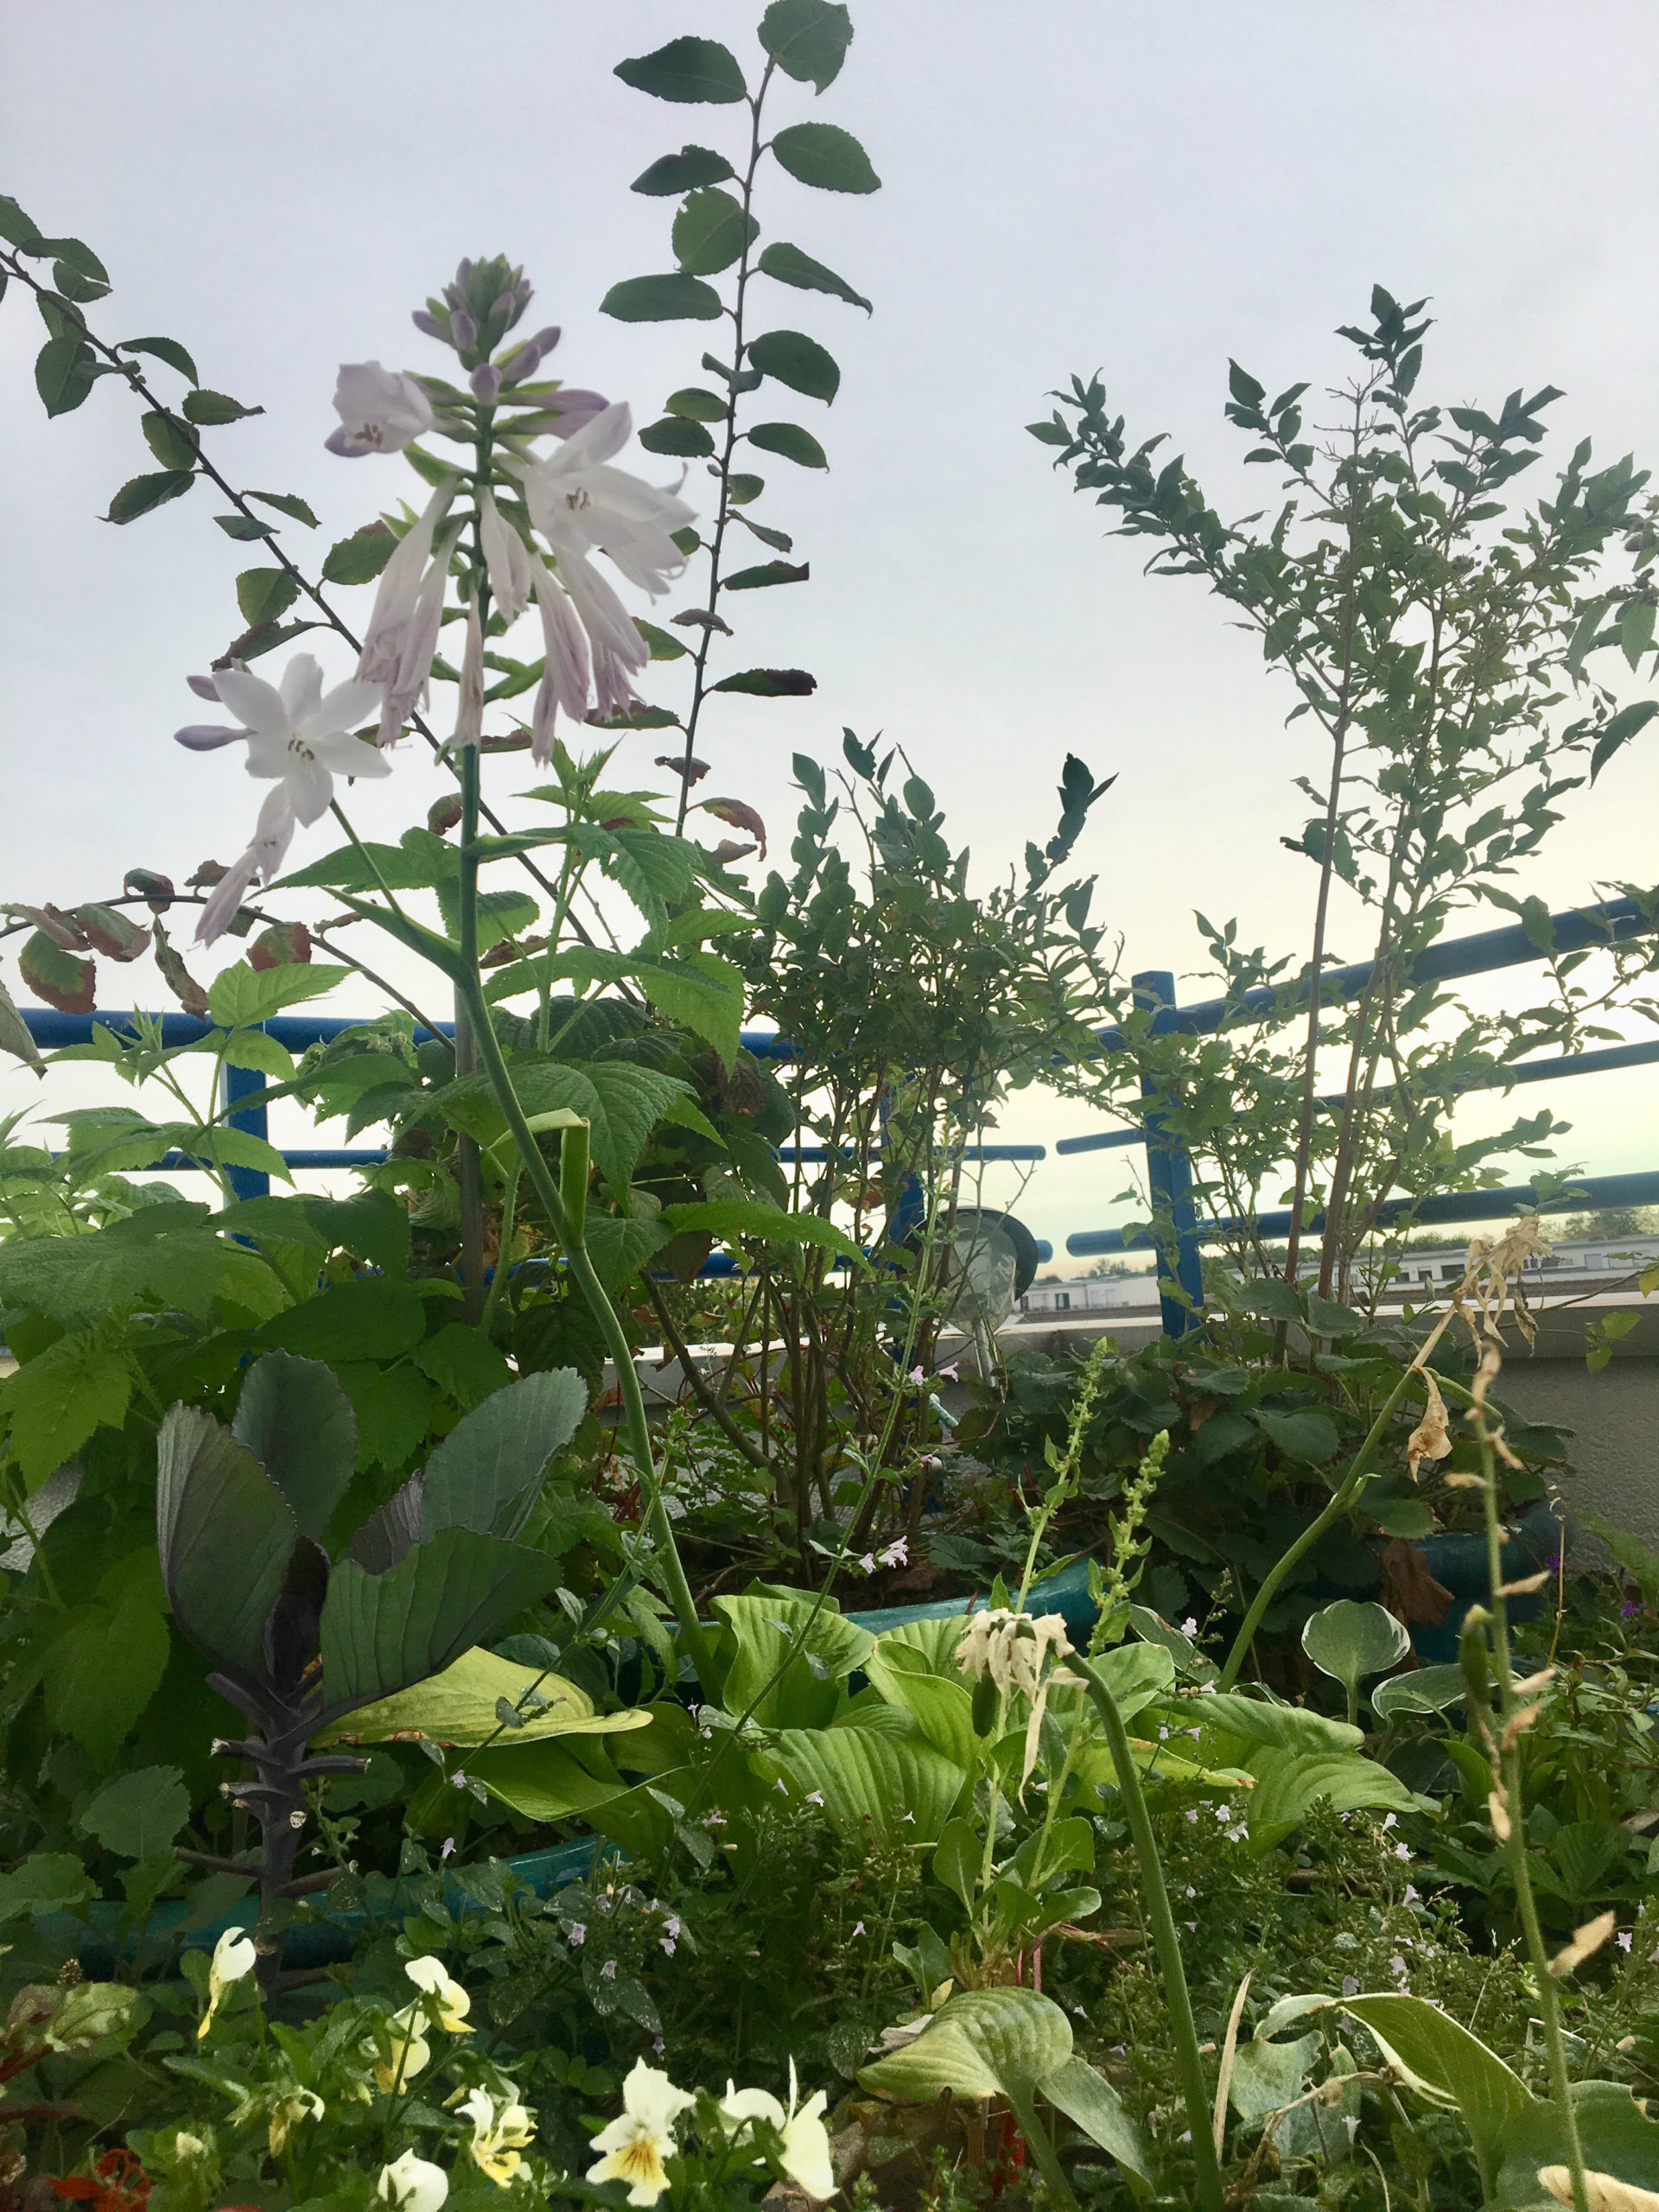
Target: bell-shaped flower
{"x": 566, "y": 674}
{"x": 412, "y": 2184}
{"x": 233, "y": 1957}
{"x": 635, "y": 2146}
{"x": 582, "y": 506}
{"x": 804, "y": 2155}
{"x": 404, "y": 620}
{"x": 506, "y": 559}
{"x": 501, "y": 2134}
{"x": 449, "y": 2001}
{"x": 380, "y": 410}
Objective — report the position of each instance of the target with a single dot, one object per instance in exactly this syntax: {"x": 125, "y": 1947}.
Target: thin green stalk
{"x": 1515, "y": 1843}
{"x": 503, "y": 1247}
{"x": 573, "y": 1242}
{"x": 1194, "y": 2090}
{"x": 1359, "y": 1473}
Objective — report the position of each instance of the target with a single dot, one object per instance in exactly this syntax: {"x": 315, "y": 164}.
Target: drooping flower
{"x": 380, "y": 410}
{"x": 805, "y": 2153}
{"x": 565, "y": 677}
{"x": 506, "y": 559}
{"x": 295, "y": 2105}
{"x": 233, "y": 1957}
{"x": 412, "y": 2184}
{"x": 635, "y": 2146}
{"x": 403, "y": 622}
{"x": 469, "y": 710}
{"x": 1011, "y": 1650}
{"x": 501, "y": 2134}
{"x": 298, "y": 737}
{"x": 451, "y": 2000}
{"x": 410, "y": 2050}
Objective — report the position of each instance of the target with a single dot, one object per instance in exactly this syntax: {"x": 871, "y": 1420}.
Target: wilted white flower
{"x": 635, "y": 2146}
{"x": 805, "y": 2154}
{"x": 505, "y": 557}
{"x": 500, "y": 2134}
{"x": 431, "y": 1976}
{"x": 412, "y": 2184}
{"x": 233, "y": 1956}
{"x": 1013, "y": 1650}
{"x": 410, "y": 2054}
{"x": 380, "y": 410}
{"x": 407, "y": 614}
{"x": 291, "y": 2106}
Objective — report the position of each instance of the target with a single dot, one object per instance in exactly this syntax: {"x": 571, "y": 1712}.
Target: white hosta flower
{"x": 380, "y": 410}
{"x": 410, "y": 2053}
{"x": 403, "y": 622}
{"x": 412, "y": 2184}
{"x": 636, "y": 2145}
{"x": 565, "y": 678}
{"x": 805, "y": 2154}
{"x": 300, "y": 738}
{"x": 233, "y": 1957}
{"x": 507, "y": 559}
{"x": 433, "y": 1977}
{"x": 501, "y": 2134}
{"x": 582, "y": 506}
{"x": 1012, "y": 1651}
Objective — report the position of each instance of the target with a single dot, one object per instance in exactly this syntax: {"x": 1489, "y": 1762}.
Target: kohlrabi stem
{"x": 1155, "y": 1896}
{"x": 573, "y": 1242}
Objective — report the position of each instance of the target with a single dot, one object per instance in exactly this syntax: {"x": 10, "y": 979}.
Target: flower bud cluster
{"x": 477, "y": 309}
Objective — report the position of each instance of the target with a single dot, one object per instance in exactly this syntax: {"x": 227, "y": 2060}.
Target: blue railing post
{"x": 247, "y": 1182}
{"x": 1169, "y": 1179}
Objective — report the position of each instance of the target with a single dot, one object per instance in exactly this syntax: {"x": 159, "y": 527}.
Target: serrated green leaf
{"x": 169, "y": 440}
{"x": 142, "y": 495}
{"x": 747, "y": 1220}
{"x": 662, "y": 643}
{"x": 263, "y": 594}
{"x": 826, "y": 157}
{"x": 673, "y": 173}
{"x": 675, "y": 297}
{"x": 64, "y": 372}
{"x": 295, "y": 1419}
{"x": 710, "y": 231}
{"x": 225, "y": 1533}
{"x": 56, "y": 1400}
{"x": 162, "y": 349}
{"x": 675, "y": 435}
{"x": 210, "y": 407}
{"x": 688, "y": 70}
{"x": 370, "y": 1317}
{"x": 243, "y": 994}
{"x": 808, "y": 39}
{"x": 360, "y": 558}
{"x": 787, "y": 265}
{"x": 789, "y": 439}
{"x": 797, "y": 360}
{"x": 286, "y": 503}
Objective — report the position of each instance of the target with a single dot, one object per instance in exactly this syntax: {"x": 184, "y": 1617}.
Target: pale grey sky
{"x": 1144, "y": 188}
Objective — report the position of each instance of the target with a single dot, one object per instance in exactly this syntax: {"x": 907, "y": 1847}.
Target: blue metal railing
{"x": 1169, "y": 1165}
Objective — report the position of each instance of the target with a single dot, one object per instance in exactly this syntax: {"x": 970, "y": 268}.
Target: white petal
{"x": 596, "y": 442}
{"x": 259, "y": 704}
{"x": 352, "y": 756}
{"x": 603, "y": 615}
{"x": 302, "y": 688}
{"x": 752, "y": 2104}
{"x": 309, "y": 788}
{"x": 346, "y": 708}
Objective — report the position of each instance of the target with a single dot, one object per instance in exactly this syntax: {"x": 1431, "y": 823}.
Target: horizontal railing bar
{"x": 54, "y": 1030}
{"x": 1578, "y": 929}
{"x": 1596, "y": 1192}
{"x": 1499, "y": 1078}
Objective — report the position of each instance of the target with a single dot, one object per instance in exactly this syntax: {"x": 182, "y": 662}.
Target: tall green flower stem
{"x": 565, "y": 1203}
{"x": 1359, "y": 1473}
{"x": 1155, "y": 1895}
{"x": 1491, "y": 1634}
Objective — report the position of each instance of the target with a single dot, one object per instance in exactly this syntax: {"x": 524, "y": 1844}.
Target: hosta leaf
{"x": 877, "y": 1788}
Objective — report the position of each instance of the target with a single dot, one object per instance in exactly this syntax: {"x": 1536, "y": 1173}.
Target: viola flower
{"x": 380, "y": 410}
{"x": 500, "y": 2134}
{"x": 412, "y": 2184}
{"x": 295, "y": 2104}
{"x": 805, "y": 2153}
{"x": 410, "y": 2050}
{"x": 450, "y": 2000}
{"x": 233, "y": 1957}
{"x": 635, "y": 2146}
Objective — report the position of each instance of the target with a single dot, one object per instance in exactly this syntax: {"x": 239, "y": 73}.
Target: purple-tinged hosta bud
{"x": 503, "y": 304}
{"x": 486, "y": 384}
{"x": 206, "y": 737}
{"x": 204, "y": 687}
{"x": 428, "y": 322}
{"x": 453, "y": 297}
{"x": 525, "y": 293}
{"x": 546, "y": 339}
{"x": 525, "y": 363}
{"x": 463, "y": 271}
{"x": 463, "y": 331}
{"x": 576, "y": 409}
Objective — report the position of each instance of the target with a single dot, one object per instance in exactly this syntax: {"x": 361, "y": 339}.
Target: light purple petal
{"x": 206, "y": 737}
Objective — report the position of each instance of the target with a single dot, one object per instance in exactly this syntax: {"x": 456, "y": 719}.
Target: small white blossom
{"x": 233, "y": 1957}
{"x": 635, "y": 2146}
{"x": 380, "y": 410}
{"x": 412, "y": 2184}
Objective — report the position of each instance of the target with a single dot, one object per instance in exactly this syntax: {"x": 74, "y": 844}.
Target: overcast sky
{"x": 1144, "y": 188}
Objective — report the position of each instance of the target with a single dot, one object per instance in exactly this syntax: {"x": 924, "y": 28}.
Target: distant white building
{"x": 1419, "y": 1270}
